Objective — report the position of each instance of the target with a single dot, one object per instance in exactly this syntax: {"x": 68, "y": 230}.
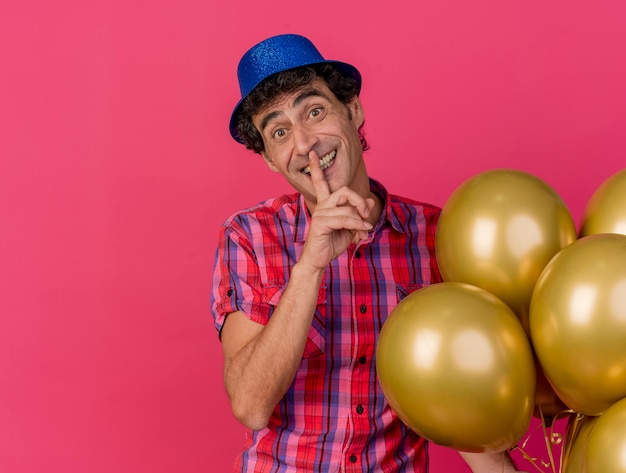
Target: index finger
{"x": 320, "y": 184}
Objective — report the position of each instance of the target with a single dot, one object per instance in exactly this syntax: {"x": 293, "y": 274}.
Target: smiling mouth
{"x": 325, "y": 162}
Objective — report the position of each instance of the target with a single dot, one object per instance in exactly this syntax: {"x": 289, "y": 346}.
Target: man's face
{"x": 313, "y": 119}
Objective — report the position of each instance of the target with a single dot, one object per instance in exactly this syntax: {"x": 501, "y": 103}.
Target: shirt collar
{"x": 388, "y": 215}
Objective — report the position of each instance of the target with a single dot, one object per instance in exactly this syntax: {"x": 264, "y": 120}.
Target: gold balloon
{"x": 577, "y": 433}
{"x": 455, "y": 364}
{"x": 606, "y": 210}
{"x": 498, "y": 230}
{"x": 606, "y": 447}
{"x": 578, "y": 322}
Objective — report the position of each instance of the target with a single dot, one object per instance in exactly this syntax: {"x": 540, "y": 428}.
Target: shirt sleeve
{"x": 236, "y": 278}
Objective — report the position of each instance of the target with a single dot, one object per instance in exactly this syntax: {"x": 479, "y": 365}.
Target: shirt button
{"x": 359, "y": 409}
{"x": 363, "y": 309}
{"x": 363, "y": 360}
{"x": 229, "y": 292}
{"x": 357, "y": 254}
{"x": 353, "y": 458}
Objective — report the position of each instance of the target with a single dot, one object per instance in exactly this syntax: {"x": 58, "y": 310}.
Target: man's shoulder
{"x": 284, "y": 207}
{"x": 398, "y": 200}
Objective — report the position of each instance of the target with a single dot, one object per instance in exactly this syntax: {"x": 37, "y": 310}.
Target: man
{"x": 304, "y": 282}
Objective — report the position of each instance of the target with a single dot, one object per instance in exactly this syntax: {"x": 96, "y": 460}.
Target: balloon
{"x": 498, "y": 230}
{"x": 455, "y": 364}
{"x": 606, "y": 446}
{"x": 577, "y": 434}
{"x": 578, "y": 322}
{"x": 606, "y": 210}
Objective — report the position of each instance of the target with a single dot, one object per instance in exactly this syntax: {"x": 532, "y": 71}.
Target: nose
{"x": 304, "y": 140}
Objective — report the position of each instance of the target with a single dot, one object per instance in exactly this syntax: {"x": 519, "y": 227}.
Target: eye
{"x": 315, "y": 112}
{"x": 279, "y": 133}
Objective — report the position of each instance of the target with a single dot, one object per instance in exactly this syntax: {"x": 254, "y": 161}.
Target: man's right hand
{"x": 338, "y": 219}
{"x": 260, "y": 361}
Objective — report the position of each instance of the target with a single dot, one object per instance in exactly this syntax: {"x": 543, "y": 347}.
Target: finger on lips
{"x": 344, "y": 197}
{"x": 322, "y": 191}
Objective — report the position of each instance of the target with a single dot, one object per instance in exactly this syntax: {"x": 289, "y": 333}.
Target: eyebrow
{"x": 311, "y": 92}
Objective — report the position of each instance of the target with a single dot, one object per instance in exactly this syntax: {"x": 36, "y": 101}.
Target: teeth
{"x": 325, "y": 162}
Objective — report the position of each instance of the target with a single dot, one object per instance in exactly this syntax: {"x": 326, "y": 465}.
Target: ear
{"x": 356, "y": 108}
{"x": 269, "y": 162}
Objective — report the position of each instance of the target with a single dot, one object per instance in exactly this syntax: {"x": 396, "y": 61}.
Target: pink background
{"x": 116, "y": 169}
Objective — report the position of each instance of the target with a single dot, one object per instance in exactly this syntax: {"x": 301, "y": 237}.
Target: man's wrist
{"x": 307, "y": 272}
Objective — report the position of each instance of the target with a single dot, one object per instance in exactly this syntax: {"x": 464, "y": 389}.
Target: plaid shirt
{"x": 334, "y": 416}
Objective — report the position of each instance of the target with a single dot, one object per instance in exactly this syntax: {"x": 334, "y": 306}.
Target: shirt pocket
{"x": 316, "y": 339}
{"x": 403, "y": 290}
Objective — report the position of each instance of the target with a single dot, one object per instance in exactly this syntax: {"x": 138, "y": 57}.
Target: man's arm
{"x": 489, "y": 462}
{"x": 260, "y": 362}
